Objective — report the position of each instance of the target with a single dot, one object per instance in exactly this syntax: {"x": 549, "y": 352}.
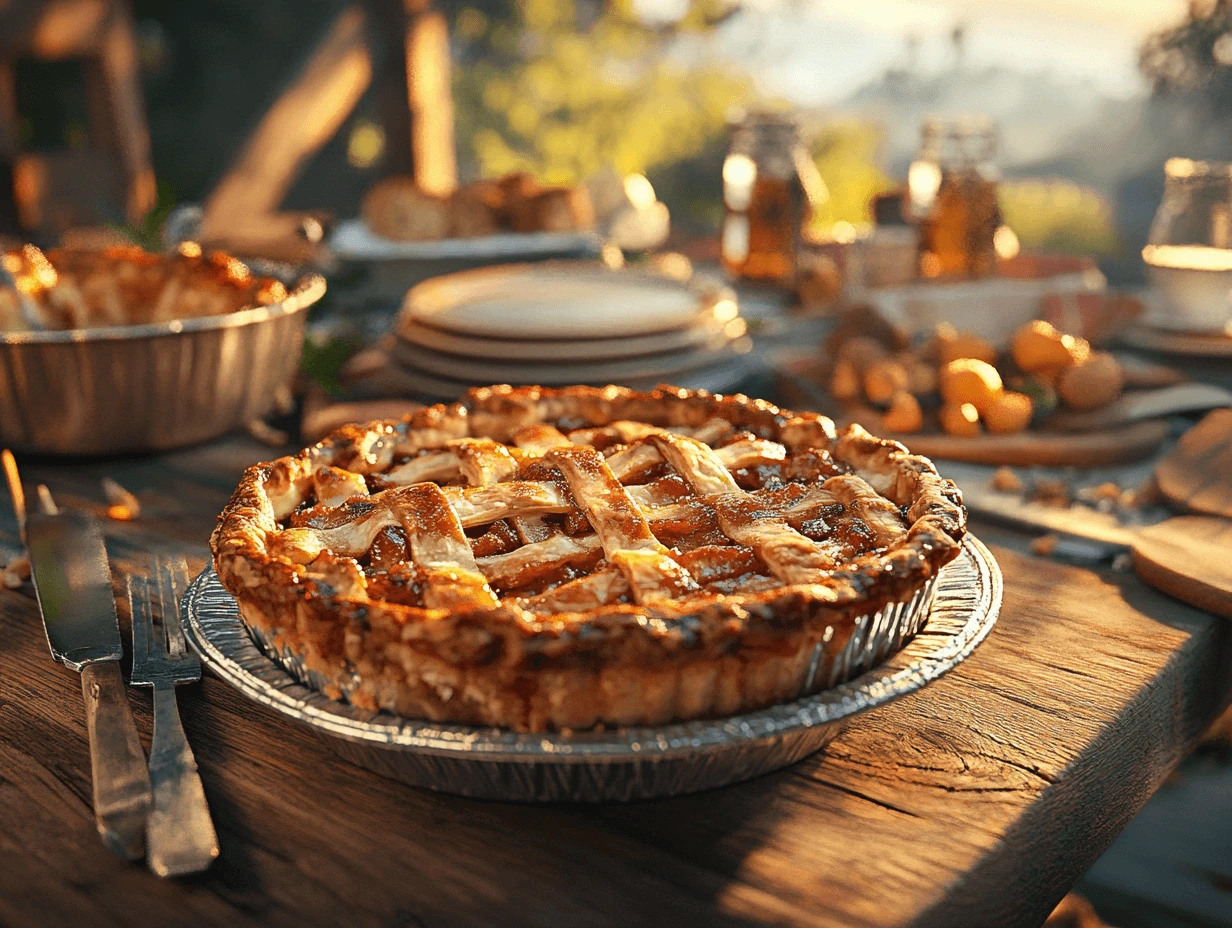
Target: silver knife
{"x": 69, "y": 562}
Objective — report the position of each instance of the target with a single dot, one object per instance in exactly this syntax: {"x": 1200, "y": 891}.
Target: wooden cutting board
{"x": 1197, "y": 473}
{"x": 1045, "y": 449}
{"x": 1187, "y": 557}
{"x": 1138, "y": 405}
{"x": 1190, "y": 558}
{"x": 1117, "y": 444}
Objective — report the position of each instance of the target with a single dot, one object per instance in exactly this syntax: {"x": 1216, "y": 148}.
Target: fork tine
{"x": 168, "y": 604}
{"x": 139, "y": 611}
{"x": 156, "y": 587}
{"x": 180, "y": 581}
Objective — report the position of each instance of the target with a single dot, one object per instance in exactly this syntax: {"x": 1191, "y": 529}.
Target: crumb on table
{"x": 1105, "y": 497}
{"x": 1044, "y": 545}
{"x": 1006, "y": 480}
{"x": 16, "y": 572}
{"x": 1051, "y": 492}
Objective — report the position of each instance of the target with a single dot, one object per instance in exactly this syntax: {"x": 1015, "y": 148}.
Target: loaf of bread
{"x": 397, "y": 209}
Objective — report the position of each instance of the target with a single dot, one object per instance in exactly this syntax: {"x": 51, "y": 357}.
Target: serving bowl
{"x": 990, "y": 307}
{"x": 153, "y": 387}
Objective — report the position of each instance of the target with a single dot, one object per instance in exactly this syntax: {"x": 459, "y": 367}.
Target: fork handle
{"x": 179, "y": 834}
{"x": 117, "y": 763}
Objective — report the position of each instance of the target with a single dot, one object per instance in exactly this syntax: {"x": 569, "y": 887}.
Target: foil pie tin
{"x": 940, "y": 627}
{"x": 150, "y": 387}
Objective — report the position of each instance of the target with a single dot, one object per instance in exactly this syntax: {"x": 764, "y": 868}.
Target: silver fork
{"x": 180, "y": 836}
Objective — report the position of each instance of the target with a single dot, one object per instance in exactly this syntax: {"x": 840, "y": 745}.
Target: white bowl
{"x": 990, "y": 307}
{"x": 1190, "y": 299}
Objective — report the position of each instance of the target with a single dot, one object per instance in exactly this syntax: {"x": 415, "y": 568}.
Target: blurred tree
{"x": 1195, "y": 56}
{"x": 1059, "y": 217}
{"x": 562, "y": 87}
{"x": 846, "y": 152}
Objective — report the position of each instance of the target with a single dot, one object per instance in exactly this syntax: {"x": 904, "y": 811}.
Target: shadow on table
{"x": 309, "y": 837}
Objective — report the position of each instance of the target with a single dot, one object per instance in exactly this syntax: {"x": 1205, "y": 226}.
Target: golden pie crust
{"x": 540, "y": 558}
{"x": 127, "y": 285}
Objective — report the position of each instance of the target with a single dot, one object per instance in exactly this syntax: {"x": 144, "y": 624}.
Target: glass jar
{"x": 1196, "y": 210}
{"x": 952, "y": 186}
{"x": 1189, "y": 250}
{"x": 765, "y": 176}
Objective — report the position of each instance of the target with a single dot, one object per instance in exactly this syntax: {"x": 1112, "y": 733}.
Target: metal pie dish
{"x": 150, "y": 387}
{"x": 892, "y": 653}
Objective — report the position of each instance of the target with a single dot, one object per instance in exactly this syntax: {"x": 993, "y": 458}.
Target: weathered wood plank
{"x": 977, "y": 801}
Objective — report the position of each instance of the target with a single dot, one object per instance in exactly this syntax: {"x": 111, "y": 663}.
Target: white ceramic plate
{"x": 706, "y": 332}
{"x": 723, "y": 377}
{"x": 548, "y": 302}
{"x": 562, "y": 372}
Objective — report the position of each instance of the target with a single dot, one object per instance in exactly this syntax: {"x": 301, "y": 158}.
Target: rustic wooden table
{"x": 977, "y": 801}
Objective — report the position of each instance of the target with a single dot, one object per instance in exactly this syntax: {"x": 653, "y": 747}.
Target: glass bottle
{"x": 953, "y": 193}
{"x": 764, "y": 192}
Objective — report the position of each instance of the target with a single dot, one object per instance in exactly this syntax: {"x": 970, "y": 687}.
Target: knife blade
{"x": 68, "y": 561}
{"x": 73, "y": 582}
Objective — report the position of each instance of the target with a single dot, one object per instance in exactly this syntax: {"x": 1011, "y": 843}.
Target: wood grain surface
{"x": 976, "y": 802}
{"x": 1197, "y": 473}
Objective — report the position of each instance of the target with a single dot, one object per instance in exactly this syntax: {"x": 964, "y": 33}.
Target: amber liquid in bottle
{"x": 956, "y": 239}
{"x": 983, "y": 220}
{"x": 959, "y": 226}
{"x": 773, "y": 220}
{"x": 770, "y": 224}
{"x": 943, "y": 234}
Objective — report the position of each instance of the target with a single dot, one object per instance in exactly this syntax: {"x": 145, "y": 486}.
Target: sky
{"x": 818, "y": 51}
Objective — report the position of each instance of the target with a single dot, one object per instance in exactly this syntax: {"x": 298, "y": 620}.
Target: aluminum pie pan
{"x": 944, "y": 625}
{"x": 149, "y": 387}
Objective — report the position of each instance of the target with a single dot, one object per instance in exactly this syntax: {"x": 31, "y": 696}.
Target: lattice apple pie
{"x": 536, "y": 559}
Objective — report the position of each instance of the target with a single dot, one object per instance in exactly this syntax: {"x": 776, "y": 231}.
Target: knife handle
{"x": 121, "y": 782}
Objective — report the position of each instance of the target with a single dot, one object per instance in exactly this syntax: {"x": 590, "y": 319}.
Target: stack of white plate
{"x": 559, "y": 324}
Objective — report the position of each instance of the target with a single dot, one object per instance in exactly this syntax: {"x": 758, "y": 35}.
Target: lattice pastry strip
{"x": 624, "y": 532}
{"x": 642, "y": 567}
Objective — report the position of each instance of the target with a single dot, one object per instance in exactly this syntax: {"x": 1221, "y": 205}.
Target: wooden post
{"x": 431, "y": 103}
{"x": 416, "y": 99}
{"x": 53, "y": 190}
{"x": 122, "y": 109}
{"x": 303, "y": 119}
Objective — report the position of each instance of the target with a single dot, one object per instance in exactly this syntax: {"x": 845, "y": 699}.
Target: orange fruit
{"x": 969, "y": 380}
{"x": 960, "y": 419}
